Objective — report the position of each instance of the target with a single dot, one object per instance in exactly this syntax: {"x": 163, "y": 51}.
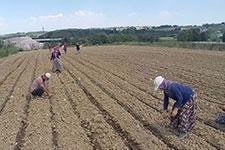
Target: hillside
{"x": 23, "y": 34}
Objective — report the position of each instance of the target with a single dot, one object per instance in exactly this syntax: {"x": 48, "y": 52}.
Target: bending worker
{"x": 39, "y": 85}
{"x": 183, "y": 114}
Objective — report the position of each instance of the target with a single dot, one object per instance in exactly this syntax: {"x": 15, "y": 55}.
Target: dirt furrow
{"x": 107, "y": 104}
{"x": 137, "y": 109}
{"x": 38, "y": 129}
{"x": 123, "y": 86}
{"x": 5, "y": 99}
{"x": 148, "y": 54}
{"x": 99, "y": 125}
{"x": 201, "y": 104}
{"x": 13, "y": 112}
{"x": 69, "y": 134}
{"x": 8, "y": 61}
{"x": 153, "y": 70}
{"x": 38, "y": 133}
{"x": 104, "y": 99}
{"x": 55, "y": 142}
{"x": 11, "y": 70}
{"x": 157, "y": 65}
{"x": 23, "y": 125}
{"x": 109, "y": 119}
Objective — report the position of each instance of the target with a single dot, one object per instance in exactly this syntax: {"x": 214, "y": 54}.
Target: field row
{"x": 103, "y": 100}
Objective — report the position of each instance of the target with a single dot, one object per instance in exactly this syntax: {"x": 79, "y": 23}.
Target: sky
{"x": 35, "y": 15}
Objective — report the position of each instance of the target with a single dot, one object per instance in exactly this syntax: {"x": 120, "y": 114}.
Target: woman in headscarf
{"x": 55, "y": 57}
{"x": 183, "y": 114}
{"x": 39, "y": 85}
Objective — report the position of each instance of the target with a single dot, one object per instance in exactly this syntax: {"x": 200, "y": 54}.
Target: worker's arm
{"x": 165, "y": 102}
{"x": 178, "y": 103}
{"x": 46, "y": 90}
{"x": 165, "y": 106}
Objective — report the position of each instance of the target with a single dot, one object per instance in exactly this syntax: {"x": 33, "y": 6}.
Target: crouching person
{"x": 183, "y": 114}
{"x": 221, "y": 119}
{"x": 39, "y": 85}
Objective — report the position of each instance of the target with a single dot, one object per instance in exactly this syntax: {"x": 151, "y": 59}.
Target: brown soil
{"x": 104, "y": 99}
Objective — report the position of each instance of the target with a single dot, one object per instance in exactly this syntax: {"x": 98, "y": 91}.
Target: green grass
{"x": 177, "y": 44}
{"x": 167, "y": 39}
{"x": 4, "y": 52}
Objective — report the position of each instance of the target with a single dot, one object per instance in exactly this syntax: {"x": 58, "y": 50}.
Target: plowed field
{"x": 104, "y": 99}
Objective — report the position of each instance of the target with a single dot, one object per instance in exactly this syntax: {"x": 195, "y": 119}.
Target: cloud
{"x": 86, "y": 13}
{"x": 47, "y": 17}
{"x": 75, "y": 19}
{"x": 88, "y": 19}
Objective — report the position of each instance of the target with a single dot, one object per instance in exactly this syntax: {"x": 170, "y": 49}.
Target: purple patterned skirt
{"x": 184, "y": 121}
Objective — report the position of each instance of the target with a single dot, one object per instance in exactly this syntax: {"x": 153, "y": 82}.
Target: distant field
{"x": 215, "y": 46}
{"x": 167, "y": 39}
{"x": 104, "y": 99}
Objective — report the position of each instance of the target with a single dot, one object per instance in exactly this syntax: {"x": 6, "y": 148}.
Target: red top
{"x": 37, "y": 82}
{"x": 65, "y": 45}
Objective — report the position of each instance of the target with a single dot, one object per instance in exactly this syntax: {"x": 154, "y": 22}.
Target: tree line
{"x": 98, "y": 36}
{"x": 193, "y": 34}
{"x": 109, "y": 36}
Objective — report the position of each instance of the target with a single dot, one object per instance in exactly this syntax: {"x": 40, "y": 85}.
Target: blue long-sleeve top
{"x": 178, "y": 92}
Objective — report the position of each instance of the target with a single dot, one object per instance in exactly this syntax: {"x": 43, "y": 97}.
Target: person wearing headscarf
{"x": 55, "y": 57}
{"x": 39, "y": 85}
{"x": 183, "y": 113}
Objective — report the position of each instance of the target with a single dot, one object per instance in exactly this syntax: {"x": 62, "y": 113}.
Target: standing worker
{"x": 65, "y": 47}
{"x": 183, "y": 114}
{"x": 78, "y": 48}
{"x": 55, "y": 57}
{"x": 39, "y": 85}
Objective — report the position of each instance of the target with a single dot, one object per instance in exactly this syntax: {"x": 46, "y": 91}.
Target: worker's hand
{"x": 174, "y": 112}
{"x": 50, "y": 95}
{"x": 170, "y": 109}
{"x": 165, "y": 114}
{"x": 223, "y": 108}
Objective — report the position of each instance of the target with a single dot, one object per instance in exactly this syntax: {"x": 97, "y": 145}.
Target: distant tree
{"x": 181, "y": 36}
{"x": 1, "y": 43}
{"x": 195, "y": 34}
{"x": 65, "y": 39}
{"x": 185, "y": 35}
{"x": 204, "y": 36}
{"x": 148, "y": 37}
{"x": 223, "y": 37}
{"x": 192, "y": 34}
{"x": 98, "y": 39}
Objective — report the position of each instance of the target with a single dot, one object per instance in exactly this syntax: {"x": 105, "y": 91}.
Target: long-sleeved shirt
{"x": 38, "y": 82}
{"x": 55, "y": 54}
{"x": 178, "y": 92}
